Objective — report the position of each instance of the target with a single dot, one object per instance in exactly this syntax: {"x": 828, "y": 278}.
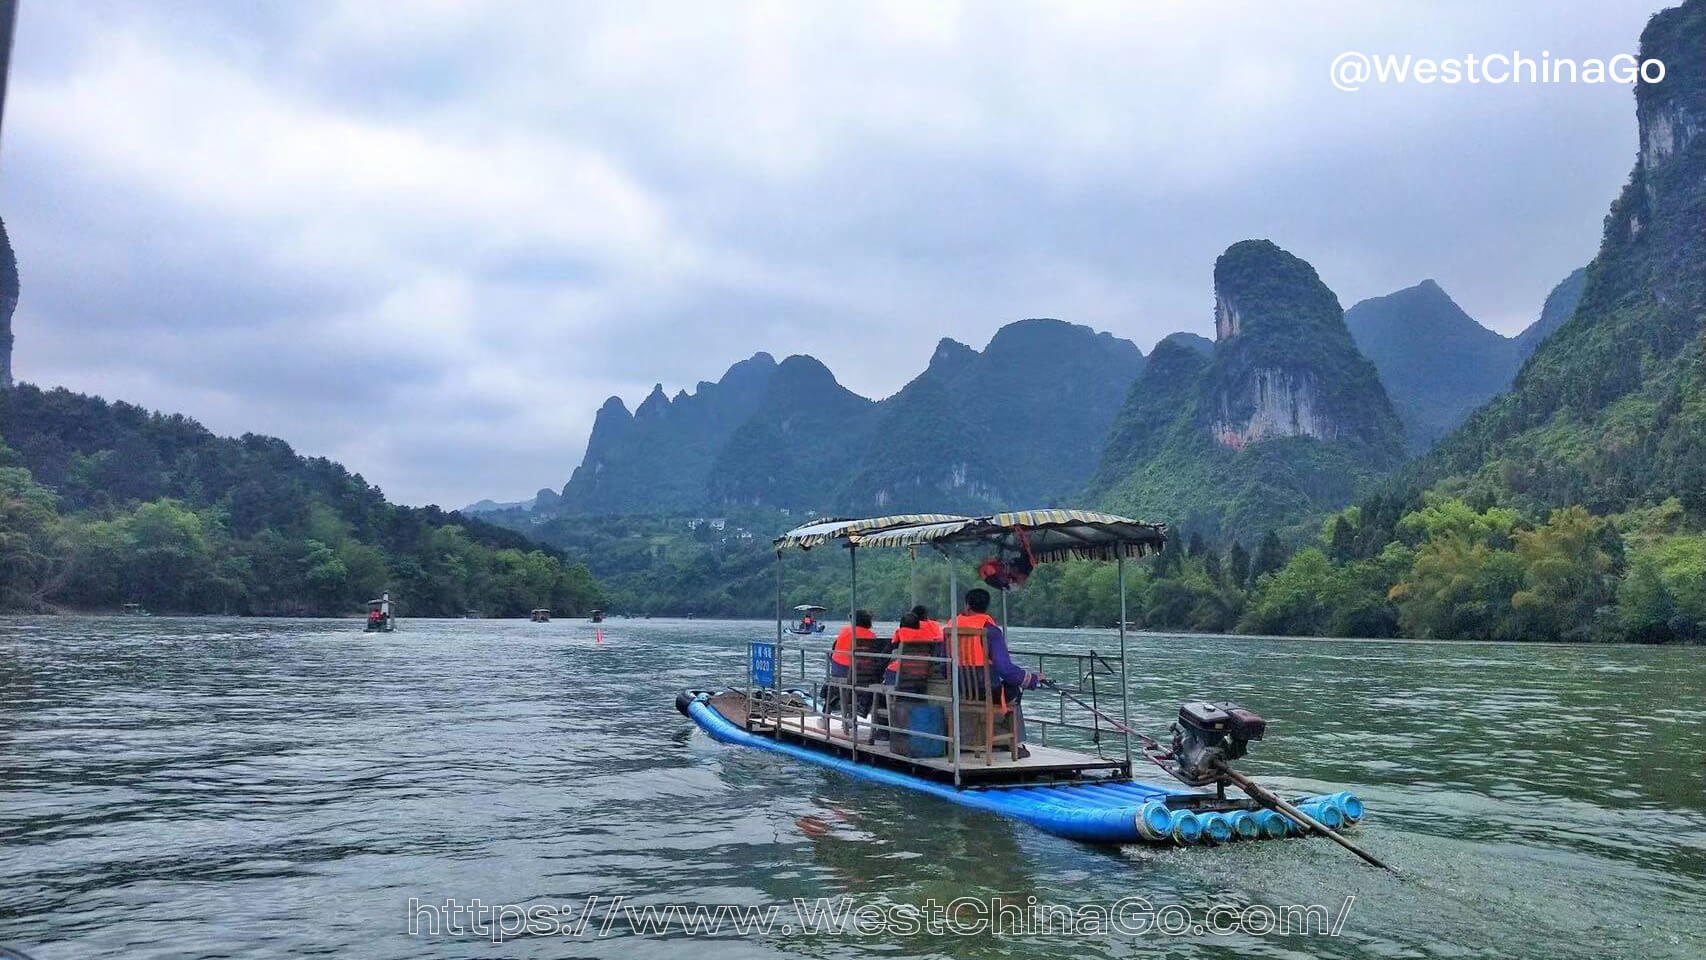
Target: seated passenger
{"x": 932, "y": 628}
{"x": 985, "y": 663}
{"x": 858, "y": 638}
{"x": 913, "y": 639}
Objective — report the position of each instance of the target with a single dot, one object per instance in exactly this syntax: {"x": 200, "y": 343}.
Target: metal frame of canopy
{"x": 1050, "y": 535}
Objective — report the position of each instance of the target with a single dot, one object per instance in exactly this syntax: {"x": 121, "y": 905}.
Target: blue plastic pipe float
{"x": 1093, "y": 811}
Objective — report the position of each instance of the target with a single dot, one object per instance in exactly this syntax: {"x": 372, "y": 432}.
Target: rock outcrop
{"x": 657, "y": 458}
{"x": 1283, "y": 419}
{"x": 8, "y": 305}
{"x": 1285, "y": 364}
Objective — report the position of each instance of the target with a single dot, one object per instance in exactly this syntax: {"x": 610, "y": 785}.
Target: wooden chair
{"x": 985, "y": 722}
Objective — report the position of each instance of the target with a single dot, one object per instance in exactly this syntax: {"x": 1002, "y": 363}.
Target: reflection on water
{"x": 212, "y": 788}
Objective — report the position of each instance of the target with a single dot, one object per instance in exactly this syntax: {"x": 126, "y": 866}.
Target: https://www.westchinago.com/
{"x": 605, "y": 917}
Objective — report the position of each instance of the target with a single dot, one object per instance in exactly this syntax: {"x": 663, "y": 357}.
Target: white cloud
{"x": 464, "y": 224}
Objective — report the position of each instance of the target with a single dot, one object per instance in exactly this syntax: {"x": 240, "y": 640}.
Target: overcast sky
{"x": 427, "y": 239}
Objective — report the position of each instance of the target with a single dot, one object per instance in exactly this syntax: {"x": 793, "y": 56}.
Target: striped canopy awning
{"x": 1051, "y": 534}
{"x": 819, "y": 532}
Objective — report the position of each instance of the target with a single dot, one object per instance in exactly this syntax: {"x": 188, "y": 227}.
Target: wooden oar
{"x": 1269, "y": 799}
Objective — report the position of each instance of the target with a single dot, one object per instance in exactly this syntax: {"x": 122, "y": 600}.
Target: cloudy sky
{"x": 427, "y": 239}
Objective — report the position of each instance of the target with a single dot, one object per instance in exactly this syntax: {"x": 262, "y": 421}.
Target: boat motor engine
{"x": 1209, "y": 735}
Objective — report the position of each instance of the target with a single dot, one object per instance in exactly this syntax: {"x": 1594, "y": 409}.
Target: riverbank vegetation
{"x": 1429, "y": 566}
{"x": 105, "y": 504}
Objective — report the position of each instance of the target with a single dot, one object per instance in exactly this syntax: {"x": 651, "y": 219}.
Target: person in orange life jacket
{"x": 841, "y": 663}
{"x": 919, "y": 626}
{"x": 988, "y": 662}
{"x": 916, "y": 670}
{"x": 912, "y": 630}
{"x": 931, "y": 627}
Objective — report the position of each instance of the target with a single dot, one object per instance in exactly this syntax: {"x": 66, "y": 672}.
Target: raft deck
{"x": 1044, "y": 764}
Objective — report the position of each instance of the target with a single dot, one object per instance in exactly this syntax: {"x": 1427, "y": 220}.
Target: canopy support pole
{"x": 852, "y": 651}
{"x": 777, "y": 733}
{"x": 1125, "y": 696}
{"x": 953, "y": 724}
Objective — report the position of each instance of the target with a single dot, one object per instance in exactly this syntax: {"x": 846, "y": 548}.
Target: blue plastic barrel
{"x": 1186, "y": 828}
{"x": 1350, "y": 804}
{"x": 1327, "y": 814}
{"x": 1244, "y": 825}
{"x": 1274, "y": 825}
{"x": 1215, "y": 828}
{"x": 1155, "y": 821}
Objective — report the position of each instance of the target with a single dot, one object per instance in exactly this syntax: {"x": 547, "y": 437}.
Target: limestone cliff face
{"x": 1226, "y": 316}
{"x": 1284, "y": 362}
{"x": 1283, "y": 418}
{"x": 1271, "y": 403}
{"x": 1670, "y": 116}
{"x": 8, "y": 303}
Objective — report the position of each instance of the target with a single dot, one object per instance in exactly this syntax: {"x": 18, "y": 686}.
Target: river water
{"x": 223, "y": 788}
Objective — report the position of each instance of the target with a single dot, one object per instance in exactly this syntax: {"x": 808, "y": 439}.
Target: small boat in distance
{"x": 379, "y": 615}
{"x": 136, "y": 610}
{"x": 541, "y": 615}
{"x": 598, "y": 616}
{"x": 809, "y": 619}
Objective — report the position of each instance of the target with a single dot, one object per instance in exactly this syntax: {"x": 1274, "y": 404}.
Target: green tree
{"x": 1442, "y": 516}
{"x": 1238, "y": 562}
{"x": 1459, "y": 588}
{"x": 1568, "y": 574}
{"x": 1663, "y": 595}
{"x": 1341, "y": 539}
{"x": 30, "y": 543}
{"x": 1270, "y": 555}
{"x": 1297, "y": 599}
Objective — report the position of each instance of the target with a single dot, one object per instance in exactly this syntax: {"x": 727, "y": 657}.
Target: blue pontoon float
{"x": 930, "y": 735}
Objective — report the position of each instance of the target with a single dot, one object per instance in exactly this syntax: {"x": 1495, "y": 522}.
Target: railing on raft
{"x": 1074, "y": 675}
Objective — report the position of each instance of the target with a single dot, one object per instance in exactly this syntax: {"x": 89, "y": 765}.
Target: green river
{"x": 284, "y": 788}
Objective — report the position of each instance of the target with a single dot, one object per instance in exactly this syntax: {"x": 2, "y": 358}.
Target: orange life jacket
{"x": 911, "y": 635}
{"x": 843, "y": 652}
{"x": 975, "y": 668}
{"x": 932, "y": 629}
{"x": 972, "y": 651}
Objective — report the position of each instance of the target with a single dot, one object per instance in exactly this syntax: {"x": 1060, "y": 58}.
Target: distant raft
{"x": 1104, "y": 811}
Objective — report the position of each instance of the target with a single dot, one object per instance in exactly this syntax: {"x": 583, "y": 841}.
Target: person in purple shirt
{"x": 1013, "y": 678}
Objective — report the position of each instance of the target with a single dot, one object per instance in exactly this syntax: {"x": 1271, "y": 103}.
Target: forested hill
{"x": 1437, "y": 363}
{"x": 1607, "y": 413}
{"x": 1020, "y": 423}
{"x": 1281, "y": 421}
{"x": 1572, "y": 507}
{"x": 106, "y": 503}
